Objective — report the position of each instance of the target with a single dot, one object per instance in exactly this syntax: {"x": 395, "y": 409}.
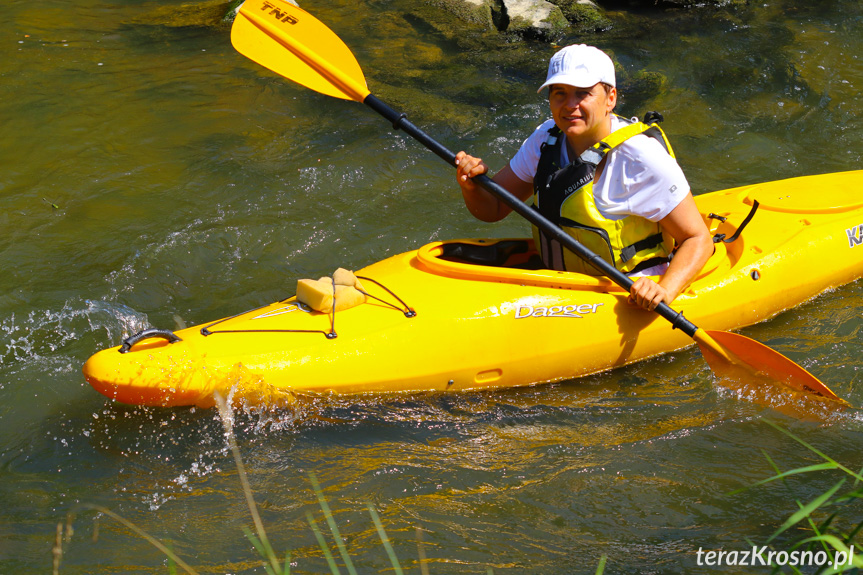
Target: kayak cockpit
{"x": 515, "y": 260}
{"x": 510, "y": 260}
{"x": 508, "y": 253}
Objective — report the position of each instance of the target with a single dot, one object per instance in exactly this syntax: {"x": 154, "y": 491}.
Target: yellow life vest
{"x": 565, "y": 196}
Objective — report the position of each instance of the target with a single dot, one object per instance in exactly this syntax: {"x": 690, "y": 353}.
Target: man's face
{"x": 582, "y": 113}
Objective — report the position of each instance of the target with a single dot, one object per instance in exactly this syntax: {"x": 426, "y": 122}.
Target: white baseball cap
{"x": 581, "y": 66}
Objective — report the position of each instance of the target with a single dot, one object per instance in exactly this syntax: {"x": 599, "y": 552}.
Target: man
{"x": 609, "y": 182}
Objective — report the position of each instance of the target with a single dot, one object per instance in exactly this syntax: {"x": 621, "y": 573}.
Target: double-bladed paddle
{"x": 293, "y": 43}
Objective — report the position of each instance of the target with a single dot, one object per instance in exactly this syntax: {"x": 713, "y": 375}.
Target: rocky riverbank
{"x": 488, "y": 49}
{"x": 547, "y": 20}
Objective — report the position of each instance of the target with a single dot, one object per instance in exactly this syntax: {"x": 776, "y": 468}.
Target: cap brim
{"x": 576, "y": 80}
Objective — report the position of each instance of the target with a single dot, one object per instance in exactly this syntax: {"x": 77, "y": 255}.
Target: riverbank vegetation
{"x": 826, "y": 524}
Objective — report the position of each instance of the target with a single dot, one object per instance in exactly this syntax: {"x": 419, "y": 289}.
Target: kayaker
{"x": 623, "y": 196}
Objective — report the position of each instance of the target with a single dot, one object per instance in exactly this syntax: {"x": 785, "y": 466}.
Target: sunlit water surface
{"x": 151, "y": 176}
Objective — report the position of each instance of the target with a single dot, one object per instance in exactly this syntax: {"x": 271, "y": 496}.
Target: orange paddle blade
{"x": 720, "y": 348}
{"x": 294, "y": 44}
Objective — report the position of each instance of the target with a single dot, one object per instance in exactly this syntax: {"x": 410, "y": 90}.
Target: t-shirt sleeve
{"x": 642, "y": 179}
{"x": 524, "y": 162}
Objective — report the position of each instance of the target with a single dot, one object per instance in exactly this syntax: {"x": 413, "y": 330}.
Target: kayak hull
{"x": 439, "y": 320}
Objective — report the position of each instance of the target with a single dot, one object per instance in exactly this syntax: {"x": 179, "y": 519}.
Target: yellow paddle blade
{"x": 294, "y": 44}
{"x": 722, "y": 349}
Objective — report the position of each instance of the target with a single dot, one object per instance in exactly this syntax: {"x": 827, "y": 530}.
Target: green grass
{"x": 821, "y": 516}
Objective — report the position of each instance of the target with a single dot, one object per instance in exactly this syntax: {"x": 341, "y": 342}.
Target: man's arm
{"x": 482, "y": 204}
{"x": 695, "y": 246}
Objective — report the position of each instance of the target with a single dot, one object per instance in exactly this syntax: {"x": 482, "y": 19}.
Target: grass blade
{"x": 856, "y": 476}
{"x": 385, "y": 540}
{"x": 850, "y": 557}
{"x": 143, "y": 534}
{"x": 601, "y": 567}
{"x": 225, "y": 416}
{"x": 783, "y": 475}
{"x": 260, "y": 548}
{"x": 340, "y": 543}
{"x": 808, "y": 509}
{"x": 421, "y": 553}
{"x": 334, "y": 569}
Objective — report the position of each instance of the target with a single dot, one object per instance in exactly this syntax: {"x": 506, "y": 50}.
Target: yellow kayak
{"x": 473, "y": 314}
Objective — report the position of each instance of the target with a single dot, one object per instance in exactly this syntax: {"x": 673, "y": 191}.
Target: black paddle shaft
{"x": 400, "y": 121}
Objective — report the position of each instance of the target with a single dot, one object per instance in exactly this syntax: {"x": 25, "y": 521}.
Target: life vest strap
{"x": 593, "y": 156}
{"x": 646, "y": 264}
{"x": 647, "y": 243}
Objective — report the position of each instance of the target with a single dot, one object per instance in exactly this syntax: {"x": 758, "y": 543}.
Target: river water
{"x": 153, "y": 176}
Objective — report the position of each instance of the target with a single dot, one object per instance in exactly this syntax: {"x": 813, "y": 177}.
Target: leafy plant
{"x": 827, "y": 535}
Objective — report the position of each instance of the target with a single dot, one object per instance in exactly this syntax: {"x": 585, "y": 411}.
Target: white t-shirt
{"x": 639, "y": 177}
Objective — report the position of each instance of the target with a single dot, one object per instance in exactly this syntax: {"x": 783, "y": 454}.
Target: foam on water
{"x": 44, "y": 337}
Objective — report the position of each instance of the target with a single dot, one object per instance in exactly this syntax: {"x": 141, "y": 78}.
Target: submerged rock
{"x": 426, "y": 107}
{"x": 203, "y": 14}
{"x": 583, "y": 15}
{"x": 233, "y": 8}
{"x": 652, "y": 4}
{"x": 474, "y": 12}
{"x": 551, "y": 19}
{"x": 534, "y": 18}
{"x": 526, "y": 18}
{"x": 640, "y": 87}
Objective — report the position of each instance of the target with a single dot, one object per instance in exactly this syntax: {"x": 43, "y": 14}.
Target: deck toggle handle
{"x": 147, "y": 334}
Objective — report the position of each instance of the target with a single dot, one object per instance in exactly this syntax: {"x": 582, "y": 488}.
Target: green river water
{"x": 150, "y": 175}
